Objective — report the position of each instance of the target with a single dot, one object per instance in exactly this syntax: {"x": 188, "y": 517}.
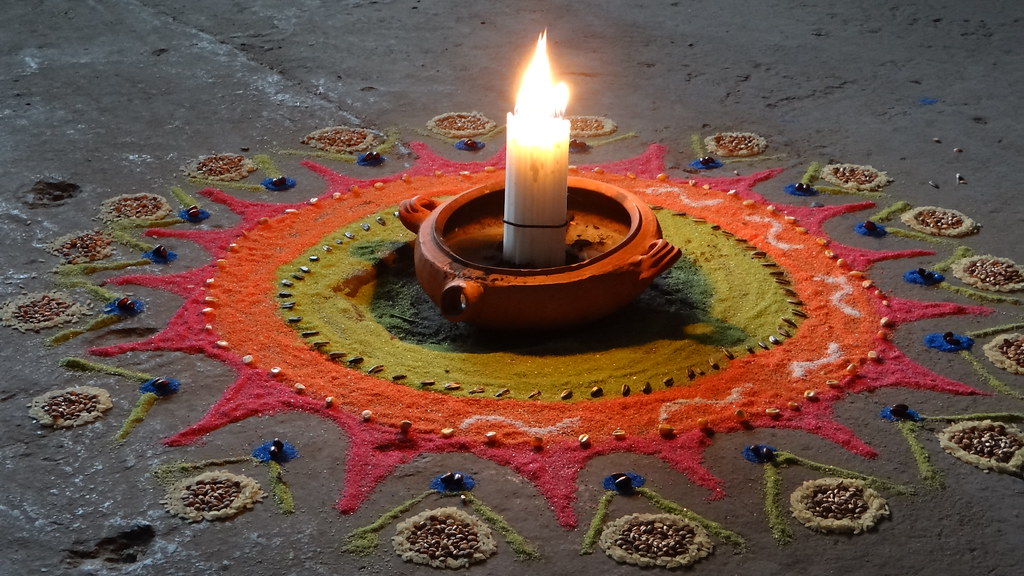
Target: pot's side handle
{"x": 660, "y": 256}
{"x": 413, "y": 211}
{"x": 458, "y": 297}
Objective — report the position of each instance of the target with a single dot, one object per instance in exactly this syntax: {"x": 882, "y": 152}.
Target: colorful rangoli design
{"x": 765, "y": 322}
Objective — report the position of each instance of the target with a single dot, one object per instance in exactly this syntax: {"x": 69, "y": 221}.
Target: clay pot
{"x": 614, "y": 250}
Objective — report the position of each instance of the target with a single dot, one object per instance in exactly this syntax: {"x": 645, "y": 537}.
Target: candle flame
{"x": 538, "y": 95}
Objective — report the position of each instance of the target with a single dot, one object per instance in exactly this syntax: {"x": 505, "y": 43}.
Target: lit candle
{"x": 537, "y": 168}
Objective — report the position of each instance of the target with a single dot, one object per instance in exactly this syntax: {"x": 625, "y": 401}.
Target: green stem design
{"x": 811, "y": 175}
{"x": 70, "y": 270}
{"x": 915, "y": 235}
{"x": 610, "y": 139}
{"x": 523, "y": 548}
{"x": 279, "y": 488}
{"x": 994, "y": 416}
{"x": 183, "y": 198}
{"x": 929, "y": 473}
{"x": 267, "y": 165}
{"x": 697, "y": 145}
{"x": 996, "y": 330}
{"x": 843, "y": 191}
{"x": 233, "y": 185}
{"x": 887, "y": 213}
{"x": 130, "y": 241}
{"x": 167, "y": 474}
{"x": 783, "y": 458}
{"x": 777, "y": 519}
{"x": 989, "y": 379}
{"x": 959, "y": 254}
{"x": 363, "y": 541}
{"x": 137, "y": 415}
{"x": 324, "y": 155}
{"x": 71, "y": 280}
{"x": 979, "y": 295}
{"x": 594, "y": 531}
{"x": 101, "y": 322}
{"x": 721, "y": 532}
{"x": 81, "y": 365}
{"x": 136, "y": 223}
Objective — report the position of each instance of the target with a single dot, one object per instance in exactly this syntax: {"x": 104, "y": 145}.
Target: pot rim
{"x": 440, "y": 216}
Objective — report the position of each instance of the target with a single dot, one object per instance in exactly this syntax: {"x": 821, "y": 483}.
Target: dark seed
{"x": 355, "y": 360}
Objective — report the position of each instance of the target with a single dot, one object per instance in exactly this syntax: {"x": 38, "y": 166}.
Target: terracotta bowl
{"x": 614, "y": 250}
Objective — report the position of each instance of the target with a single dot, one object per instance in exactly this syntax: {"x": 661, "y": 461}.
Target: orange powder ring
{"x": 841, "y": 329}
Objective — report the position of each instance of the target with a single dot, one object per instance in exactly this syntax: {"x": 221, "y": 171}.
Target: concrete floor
{"x": 118, "y": 96}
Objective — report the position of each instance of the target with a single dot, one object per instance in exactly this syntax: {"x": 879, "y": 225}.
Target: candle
{"x": 537, "y": 168}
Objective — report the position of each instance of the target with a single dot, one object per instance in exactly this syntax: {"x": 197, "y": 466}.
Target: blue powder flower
{"x": 278, "y": 184}
{"x": 451, "y": 482}
{"x": 193, "y": 214}
{"x": 948, "y": 342}
{"x": 371, "y": 159}
{"x": 160, "y": 386}
{"x": 869, "y": 228}
{"x": 469, "y": 145}
{"x": 623, "y": 482}
{"x": 160, "y": 255}
{"x": 759, "y": 453}
{"x": 923, "y": 277}
{"x": 705, "y": 163}
{"x": 125, "y": 307}
{"x": 800, "y": 189}
{"x": 898, "y": 412}
{"x": 275, "y": 450}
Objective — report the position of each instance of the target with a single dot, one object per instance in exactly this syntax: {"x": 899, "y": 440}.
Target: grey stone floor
{"x": 117, "y": 96}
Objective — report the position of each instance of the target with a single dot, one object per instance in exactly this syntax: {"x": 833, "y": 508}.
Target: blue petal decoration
{"x": 759, "y": 453}
{"x": 263, "y": 452}
{"x": 125, "y": 307}
{"x": 948, "y": 342}
{"x": 452, "y": 482}
{"x": 278, "y": 184}
{"x": 923, "y": 277}
{"x": 698, "y": 165}
{"x": 887, "y": 413}
{"x": 615, "y": 482}
{"x": 864, "y": 229}
{"x": 160, "y": 386}
{"x": 166, "y": 258}
{"x": 193, "y": 214}
{"x": 806, "y": 190}
{"x": 371, "y": 159}
{"x": 927, "y": 101}
{"x": 469, "y": 145}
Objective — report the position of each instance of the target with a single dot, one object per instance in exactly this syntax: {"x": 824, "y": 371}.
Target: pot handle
{"x": 413, "y": 211}
{"x": 660, "y": 256}
{"x": 458, "y": 296}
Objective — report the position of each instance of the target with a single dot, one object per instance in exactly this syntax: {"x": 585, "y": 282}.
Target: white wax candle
{"x": 537, "y": 169}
